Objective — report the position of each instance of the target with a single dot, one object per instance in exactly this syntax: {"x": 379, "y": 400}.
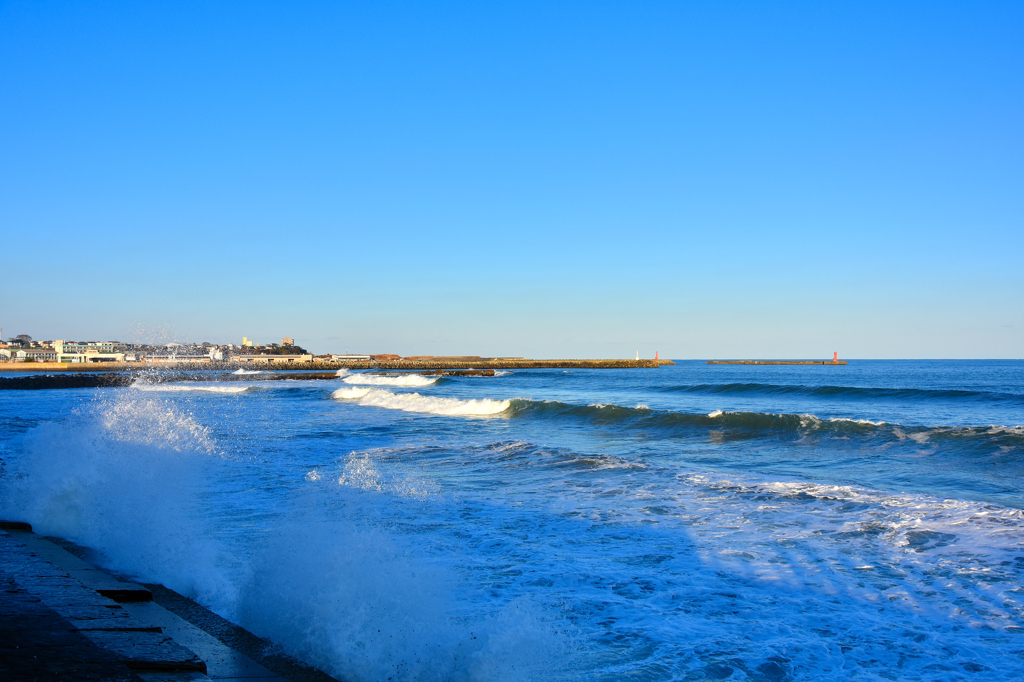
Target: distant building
{"x": 93, "y": 351}
{"x": 37, "y": 355}
{"x": 88, "y": 346}
{"x": 246, "y": 343}
{"x": 351, "y": 358}
{"x": 175, "y": 359}
{"x": 287, "y": 341}
{"x": 274, "y": 359}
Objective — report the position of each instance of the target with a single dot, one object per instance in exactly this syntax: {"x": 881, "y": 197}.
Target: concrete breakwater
{"x": 114, "y": 379}
{"x": 776, "y": 362}
{"x": 502, "y": 363}
{"x": 64, "y": 618}
{"x": 424, "y": 364}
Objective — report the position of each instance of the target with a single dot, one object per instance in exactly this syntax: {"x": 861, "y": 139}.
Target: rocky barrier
{"x": 414, "y": 365}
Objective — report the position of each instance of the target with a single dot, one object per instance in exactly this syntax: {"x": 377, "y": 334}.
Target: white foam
{"x": 715, "y": 414}
{"x": 414, "y": 402}
{"x": 124, "y": 477}
{"x": 247, "y": 371}
{"x": 191, "y": 388}
{"x": 410, "y": 380}
{"x": 866, "y": 422}
{"x": 330, "y": 580}
{"x": 343, "y": 372}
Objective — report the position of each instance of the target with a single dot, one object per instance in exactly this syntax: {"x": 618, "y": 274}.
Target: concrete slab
{"x": 36, "y": 644}
{"x": 85, "y": 632}
{"x": 222, "y": 662}
{"x": 86, "y": 573}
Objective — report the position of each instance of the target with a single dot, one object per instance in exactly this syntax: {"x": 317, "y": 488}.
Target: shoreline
{"x": 433, "y": 364}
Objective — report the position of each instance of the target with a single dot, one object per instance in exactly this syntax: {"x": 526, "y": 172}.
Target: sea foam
{"x": 409, "y": 380}
{"x": 189, "y": 388}
{"x": 414, "y": 402}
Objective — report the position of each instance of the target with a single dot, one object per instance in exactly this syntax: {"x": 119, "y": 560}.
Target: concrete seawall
{"x": 63, "y": 618}
{"x": 776, "y": 362}
{"x": 483, "y": 363}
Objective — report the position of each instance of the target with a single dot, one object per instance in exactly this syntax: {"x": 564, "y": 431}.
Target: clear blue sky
{"x": 540, "y": 179}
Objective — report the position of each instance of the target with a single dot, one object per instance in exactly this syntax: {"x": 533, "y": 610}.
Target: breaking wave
{"x": 414, "y": 402}
{"x": 333, "y": 581}
{"x": 178, "y": 388}
{"x": 408, "y": 380}
{"x": 241, "y": 372}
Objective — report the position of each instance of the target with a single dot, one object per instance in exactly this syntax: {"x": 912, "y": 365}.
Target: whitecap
{"x": 178, "y": 388}
{"x": 412, "y": 380}
{"x": 414, "y": 402}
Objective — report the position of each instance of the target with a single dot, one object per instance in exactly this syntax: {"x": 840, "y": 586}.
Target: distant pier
{"x": 414, "y": 364}
{"x": 776, "y": 362}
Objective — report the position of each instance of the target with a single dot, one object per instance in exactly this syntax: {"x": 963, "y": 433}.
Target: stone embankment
{"x": 62, "y": 618}
{"x": 776, "y": 362}
{"x": 407, "y": 364}
{"x": 501, "y": 363}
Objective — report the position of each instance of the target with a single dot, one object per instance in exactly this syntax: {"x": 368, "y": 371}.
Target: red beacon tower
{"x": 835, "y": 356}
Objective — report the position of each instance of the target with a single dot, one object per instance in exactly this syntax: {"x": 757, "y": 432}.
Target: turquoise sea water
{"x": 687, "y": 522}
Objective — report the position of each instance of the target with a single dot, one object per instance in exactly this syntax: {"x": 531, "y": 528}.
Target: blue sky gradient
{"x": 539, "y": 179}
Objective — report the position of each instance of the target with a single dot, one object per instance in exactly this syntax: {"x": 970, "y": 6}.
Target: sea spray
{"x": 346, "y": 586}
{"x": 185, "y": 388}
{"x": 332, "y": 576}
{"x": 125, "y": 476}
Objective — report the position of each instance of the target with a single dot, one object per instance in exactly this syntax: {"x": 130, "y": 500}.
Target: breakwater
{"x": 114, "y": 379}
{"x": 502, "y": 363}
{"x": 776, "y": 362}
{"x": 424, "y": 364}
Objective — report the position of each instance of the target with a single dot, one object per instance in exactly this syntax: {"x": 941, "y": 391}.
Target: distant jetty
{"x": 414, "y": 364}
{"x": 776, "y": 362}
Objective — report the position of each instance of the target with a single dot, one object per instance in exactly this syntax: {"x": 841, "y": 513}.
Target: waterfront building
{"x": 272, "y": 359}
{"x": 92, "y": 351}
{"x": 37, "y": 355}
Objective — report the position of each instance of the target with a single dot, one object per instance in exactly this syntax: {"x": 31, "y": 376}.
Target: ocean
{"x": 690, "y": 522}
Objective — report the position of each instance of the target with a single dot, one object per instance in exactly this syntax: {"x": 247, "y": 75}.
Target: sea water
{"x": 688, "y": 522}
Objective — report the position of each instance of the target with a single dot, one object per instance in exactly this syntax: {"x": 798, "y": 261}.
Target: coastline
{"x": 431, "y": 364}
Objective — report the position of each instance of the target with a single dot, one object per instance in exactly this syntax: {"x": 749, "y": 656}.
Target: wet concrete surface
{"x": 62, "y": 618}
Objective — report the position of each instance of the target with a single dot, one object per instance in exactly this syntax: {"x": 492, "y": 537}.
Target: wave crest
{"x": 409, "y": 380}
{"x": 414, "y": 402}
{"x": 177, "y": 388}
